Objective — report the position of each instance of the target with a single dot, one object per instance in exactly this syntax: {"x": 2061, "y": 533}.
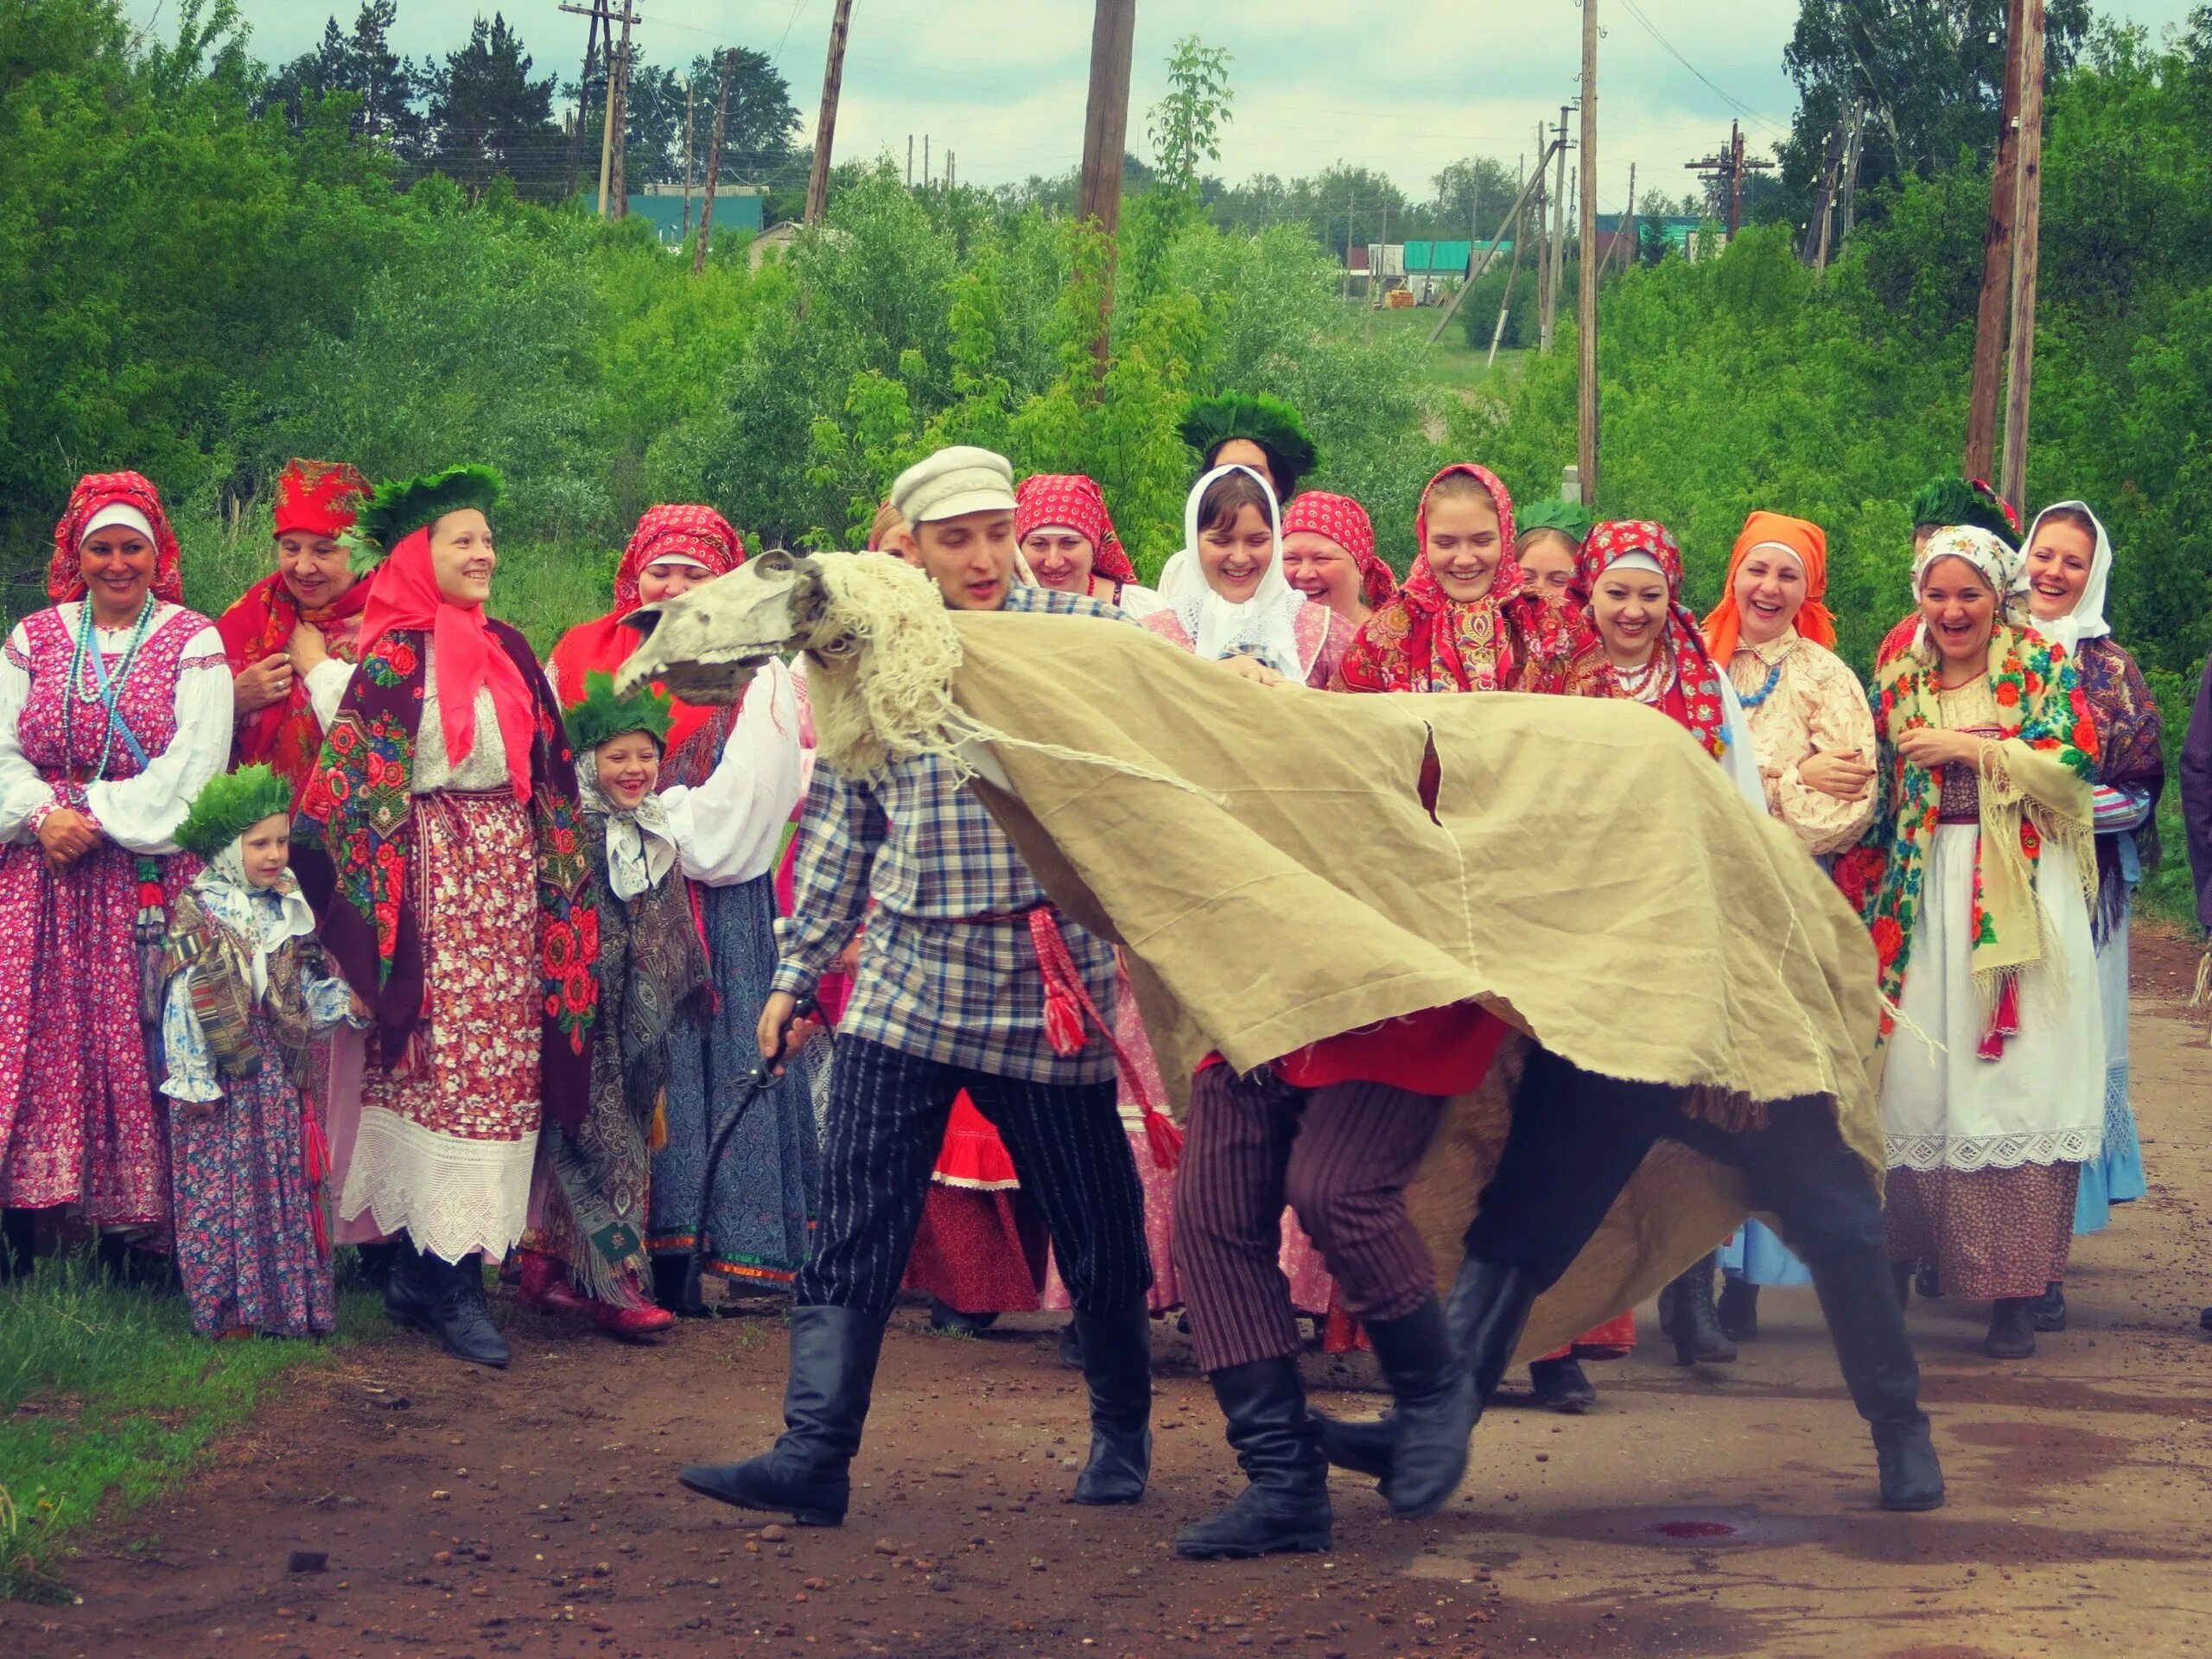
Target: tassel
{"x": 1165, "y": 1139}
{"x": 1064, "y": 992}
{"x": 657, "y": 1136}
{"x": 316, "y": 1153}
{"x": 1063, "y": 1022}
{"x": 2003, "y": 1020}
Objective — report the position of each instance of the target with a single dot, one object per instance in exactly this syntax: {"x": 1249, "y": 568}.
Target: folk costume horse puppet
{"x": 1188, "y": 819}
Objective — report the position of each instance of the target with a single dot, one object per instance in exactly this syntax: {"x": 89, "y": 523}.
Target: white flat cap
{"x": 962, "y": 479}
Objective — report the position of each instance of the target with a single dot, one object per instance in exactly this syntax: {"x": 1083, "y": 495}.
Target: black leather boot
{"x": 1867, "y": 1326}
{"x": 1286, "y": 1507}
{"x": 2011, "y": 1327}
{"x": 1739, "y": 1309}
{"x": 410, "y": 1286}
{"x": 834, "y": 1351}
{"x": 943, "y": 1316}
{"x": 1117, "y": 1365}
{"x": 1689, "y": 1316}
{"x": 1562, "y": 1385}
{"x": 1434, "y": 1409}
{"x": 458, "y": 1316}
{"x": 1485, "y": 1313}
{"x": 2050, "y": 1311}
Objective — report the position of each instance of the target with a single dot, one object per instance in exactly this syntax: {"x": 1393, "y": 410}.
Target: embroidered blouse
{"x": 1812, "y": 701}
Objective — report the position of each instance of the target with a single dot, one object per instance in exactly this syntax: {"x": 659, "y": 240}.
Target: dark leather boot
{"x": 1485, "y": 1313}
{"x": 943, "y": 1316}
{"x": 2050, "y": 1311}
{"x": 834, "y": 1351}
{"x": 410, "y": 1286}
{"x": 1562, "y": 1385}
{"x": 1117, "y": 1365}
{"x": 1286, "y": 1507}
{"x": 1688, "y": 1315}
{"x": 1434, "y": 1409}
{"x": 459, "y": 1318}
{"x": 1739, "y": 1309}
{"x": 2011, "y": 1327}
{"x": 1867, "y": 1326}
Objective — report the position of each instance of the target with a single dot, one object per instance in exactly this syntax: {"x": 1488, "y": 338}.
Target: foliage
{"x": 491, "y": 118}
{"x": 1184, "y": 126}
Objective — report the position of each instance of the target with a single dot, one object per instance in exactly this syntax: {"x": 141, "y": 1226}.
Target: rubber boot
{"x": 1434, "y": 1409}
{"x": 2011, "y": 1327}
{"x": 1117, "y": 1365}
{"x": 1858, "y": 1299}
{"x": 1562, "y": 1385}
{"x": 803, "y": 1475}
{"x": 459, "y": 1318}
{"x": 1286, "y": 1506}
{"x": 410, "y": 1286}
{"x": 1485, "y": 1313}
{"x": 2050, "y": 1311}
{"x": 1688, "y": 1315}
{"x": 1739, "y": 1309}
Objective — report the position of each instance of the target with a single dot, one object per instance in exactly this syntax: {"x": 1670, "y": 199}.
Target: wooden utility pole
{"x": 825, "y": 127}
{"x": 1814, "y": 251}
{"x": 618, "y": 123}
{"x": 1105, "y": 137}
{"x": 595, "y": 12}
{"x": 686, "y": 237}
{"x": 2027, "y": 225}
{"x": 1980, "y": 461}
{"x": 1729, "y": 167}
{"x": 1850, "y": 153}
{"x": 925, "y": 161}
{"x": 1628, "y": 223}
{"x": 1586, "y": 310}
{"x": 1505, "y": 305}
{"x": 714, "y": 165}
{"x": 910, "y": 161}
{"x": 1534, "y": 184}
{"x": 1557, "y": 247}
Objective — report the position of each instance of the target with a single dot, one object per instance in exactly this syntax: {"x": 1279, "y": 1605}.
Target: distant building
{"x": 737, "y": 207}
{"x": 1684, "y": 232}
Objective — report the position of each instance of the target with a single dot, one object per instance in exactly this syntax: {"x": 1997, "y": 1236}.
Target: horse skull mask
{"x": 706, "y": 646}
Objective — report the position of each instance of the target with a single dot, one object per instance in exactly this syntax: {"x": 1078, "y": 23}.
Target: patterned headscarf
{"x": 1345, "y": 522}
{"x": 2004, "y": 567}
{"x": 65, "y": 576}
{"x": 675, "y": 532}
{"x": 1421, "y": 586}
{"x": 1639, "y": 542}
{"x": 1075, "y": 502}
{"x": 1808, "y": 543}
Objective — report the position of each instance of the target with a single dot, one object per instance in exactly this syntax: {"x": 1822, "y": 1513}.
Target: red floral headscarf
{"x": 1075, "y": 501}
{"x": 1345, "y": 522}
{"x": 65, "y": 577}
{"x": 1421, "y": 586}
{"x": 675, "y": 532}
{"x": 1697, "y": 677}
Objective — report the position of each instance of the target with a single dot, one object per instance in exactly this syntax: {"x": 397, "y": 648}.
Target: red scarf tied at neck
{"x": 404, "y": 597}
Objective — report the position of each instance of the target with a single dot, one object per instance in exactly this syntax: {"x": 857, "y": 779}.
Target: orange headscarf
{"x": 1810, "y": 543}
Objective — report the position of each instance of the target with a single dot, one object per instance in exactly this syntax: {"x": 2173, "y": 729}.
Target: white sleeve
{"x": 23, "y": 791}
{"x": 730, "y": 828}
{"x": 327, "y": 683}
{"x": 141, "y": 813}
{"x": 1741, "y": 758}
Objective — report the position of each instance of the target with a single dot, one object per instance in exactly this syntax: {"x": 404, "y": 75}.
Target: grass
{"x": 107, "y": 1399}
{"x": 1450, "y": 363}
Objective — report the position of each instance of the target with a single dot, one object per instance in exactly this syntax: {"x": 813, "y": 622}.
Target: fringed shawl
{"x": 2130, "y": 755}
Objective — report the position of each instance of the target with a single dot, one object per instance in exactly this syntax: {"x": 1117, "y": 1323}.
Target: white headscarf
{"x": 265, "y": 917}
{"x": 1264, "y": 626}
{"x": 640, "y": 845}
{"x": 2005, "y": 568}
{"x": 2086, "y": 619}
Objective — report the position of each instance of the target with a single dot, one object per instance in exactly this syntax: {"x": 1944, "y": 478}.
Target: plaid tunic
{"x": 933, "y": 983}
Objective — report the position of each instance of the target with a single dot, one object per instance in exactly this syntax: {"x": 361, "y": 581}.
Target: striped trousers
{"x": 885, "y": 1123}
{"x": 1340, "y": 1157}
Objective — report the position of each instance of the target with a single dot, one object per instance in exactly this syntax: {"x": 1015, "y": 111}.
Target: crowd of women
{"x": 342, "y": 920}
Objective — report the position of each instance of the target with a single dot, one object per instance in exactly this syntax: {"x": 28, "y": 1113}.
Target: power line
{"x": 1742, "y": 109}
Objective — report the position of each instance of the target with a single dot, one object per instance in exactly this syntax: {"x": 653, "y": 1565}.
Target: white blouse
{"x": 730, "y": 828}
{"x": 139, "y": 814}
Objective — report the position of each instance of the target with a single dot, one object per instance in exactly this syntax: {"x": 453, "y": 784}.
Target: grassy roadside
{"x": 107, "y": 1399}
{"x": 1451, "y": 362}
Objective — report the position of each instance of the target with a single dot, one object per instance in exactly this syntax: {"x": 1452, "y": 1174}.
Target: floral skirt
{"x": 1989, "y": 1232}
{"x": 978, "y": 1251}
{"x": 445, "y": 1145}
{"x": 78, "y": 1121}
{"x": 245, "y": 1238}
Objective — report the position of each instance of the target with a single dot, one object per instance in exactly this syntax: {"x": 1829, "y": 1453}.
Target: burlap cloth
{"x": 1588, "y": 873}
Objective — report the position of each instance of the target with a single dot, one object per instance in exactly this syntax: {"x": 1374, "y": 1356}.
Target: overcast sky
{"x": 1401, "y": 85}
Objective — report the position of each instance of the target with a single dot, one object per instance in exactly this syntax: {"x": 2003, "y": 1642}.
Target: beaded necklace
{"x": 1648, "y": 685}
{"x": 85, "y": 644}
{"x": 1751, "y": 700}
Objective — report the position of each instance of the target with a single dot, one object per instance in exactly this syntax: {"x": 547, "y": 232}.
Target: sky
{"x": 1403, "y": 86}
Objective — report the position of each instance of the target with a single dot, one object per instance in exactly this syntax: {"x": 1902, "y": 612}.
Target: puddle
{"x": 1666, "y": 1526}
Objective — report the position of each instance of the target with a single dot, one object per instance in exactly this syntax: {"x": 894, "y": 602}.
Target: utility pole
{"x": 925, "y": 161}
{"x": 1344, "y": 291}
{"x": 714, "y": 165}
{"x": 1628, "y": 223}
{"x": 1814, "y": 251}
{"x": 1850, "y": 153}
{"x": 1556, "y": 262}
{"x": 951, "y": 171}
{"x": 618, "y": 123}
{"x": 1586, "y": 312}
{"x": 1729, "y": 167}
{"x": 1981, "y": 459}
{"x": 688, "y": 90}
{"x": 595, "y": 12}
{"x": 910, "y": 161}
{"x": 2027, "y": 230}
{"x": 1505, "y": 305}
{"x": 825, "y": 128}
{"x": 1532, "y": 186}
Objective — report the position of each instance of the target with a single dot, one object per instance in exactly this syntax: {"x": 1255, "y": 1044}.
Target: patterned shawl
{"x": 65, "y": 576}
{"x": 218, "y": 926}
{"x": 2130, "y": 755}
{"x": 1508, "y": 641}
{"x": 354, "y": 845}
{"x": 2042, "y": 716}
{"x": 1697, "y": 677}
{"x": 286, "y": 736}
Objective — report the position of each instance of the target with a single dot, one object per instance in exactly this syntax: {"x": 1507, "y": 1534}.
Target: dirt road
{"x": 1727, "y": 1510}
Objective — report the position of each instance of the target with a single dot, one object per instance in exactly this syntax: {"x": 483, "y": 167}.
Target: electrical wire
{"x": 1742, "y": 109}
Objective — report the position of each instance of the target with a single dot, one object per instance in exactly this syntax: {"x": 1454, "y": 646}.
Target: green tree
{"x": 762, "y": 123}
{"x": 1184, "y": 126}
{"x": 491, "y": 117}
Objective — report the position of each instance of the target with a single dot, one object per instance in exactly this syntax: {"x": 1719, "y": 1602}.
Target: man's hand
{"x": 782, "y": 1032}
{"x": 269, "y": 681}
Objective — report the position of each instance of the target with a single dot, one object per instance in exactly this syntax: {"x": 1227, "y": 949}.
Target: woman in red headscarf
{"x": 439, "y": 840}
{"x": 1328, "y": 554}
{"x": 1465, "y": 621}
{"x": 1066, "y": 534}
{"x": 115, "y": 710}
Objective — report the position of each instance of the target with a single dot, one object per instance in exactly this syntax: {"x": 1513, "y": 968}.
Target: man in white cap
{"x": 949, "y": 995}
